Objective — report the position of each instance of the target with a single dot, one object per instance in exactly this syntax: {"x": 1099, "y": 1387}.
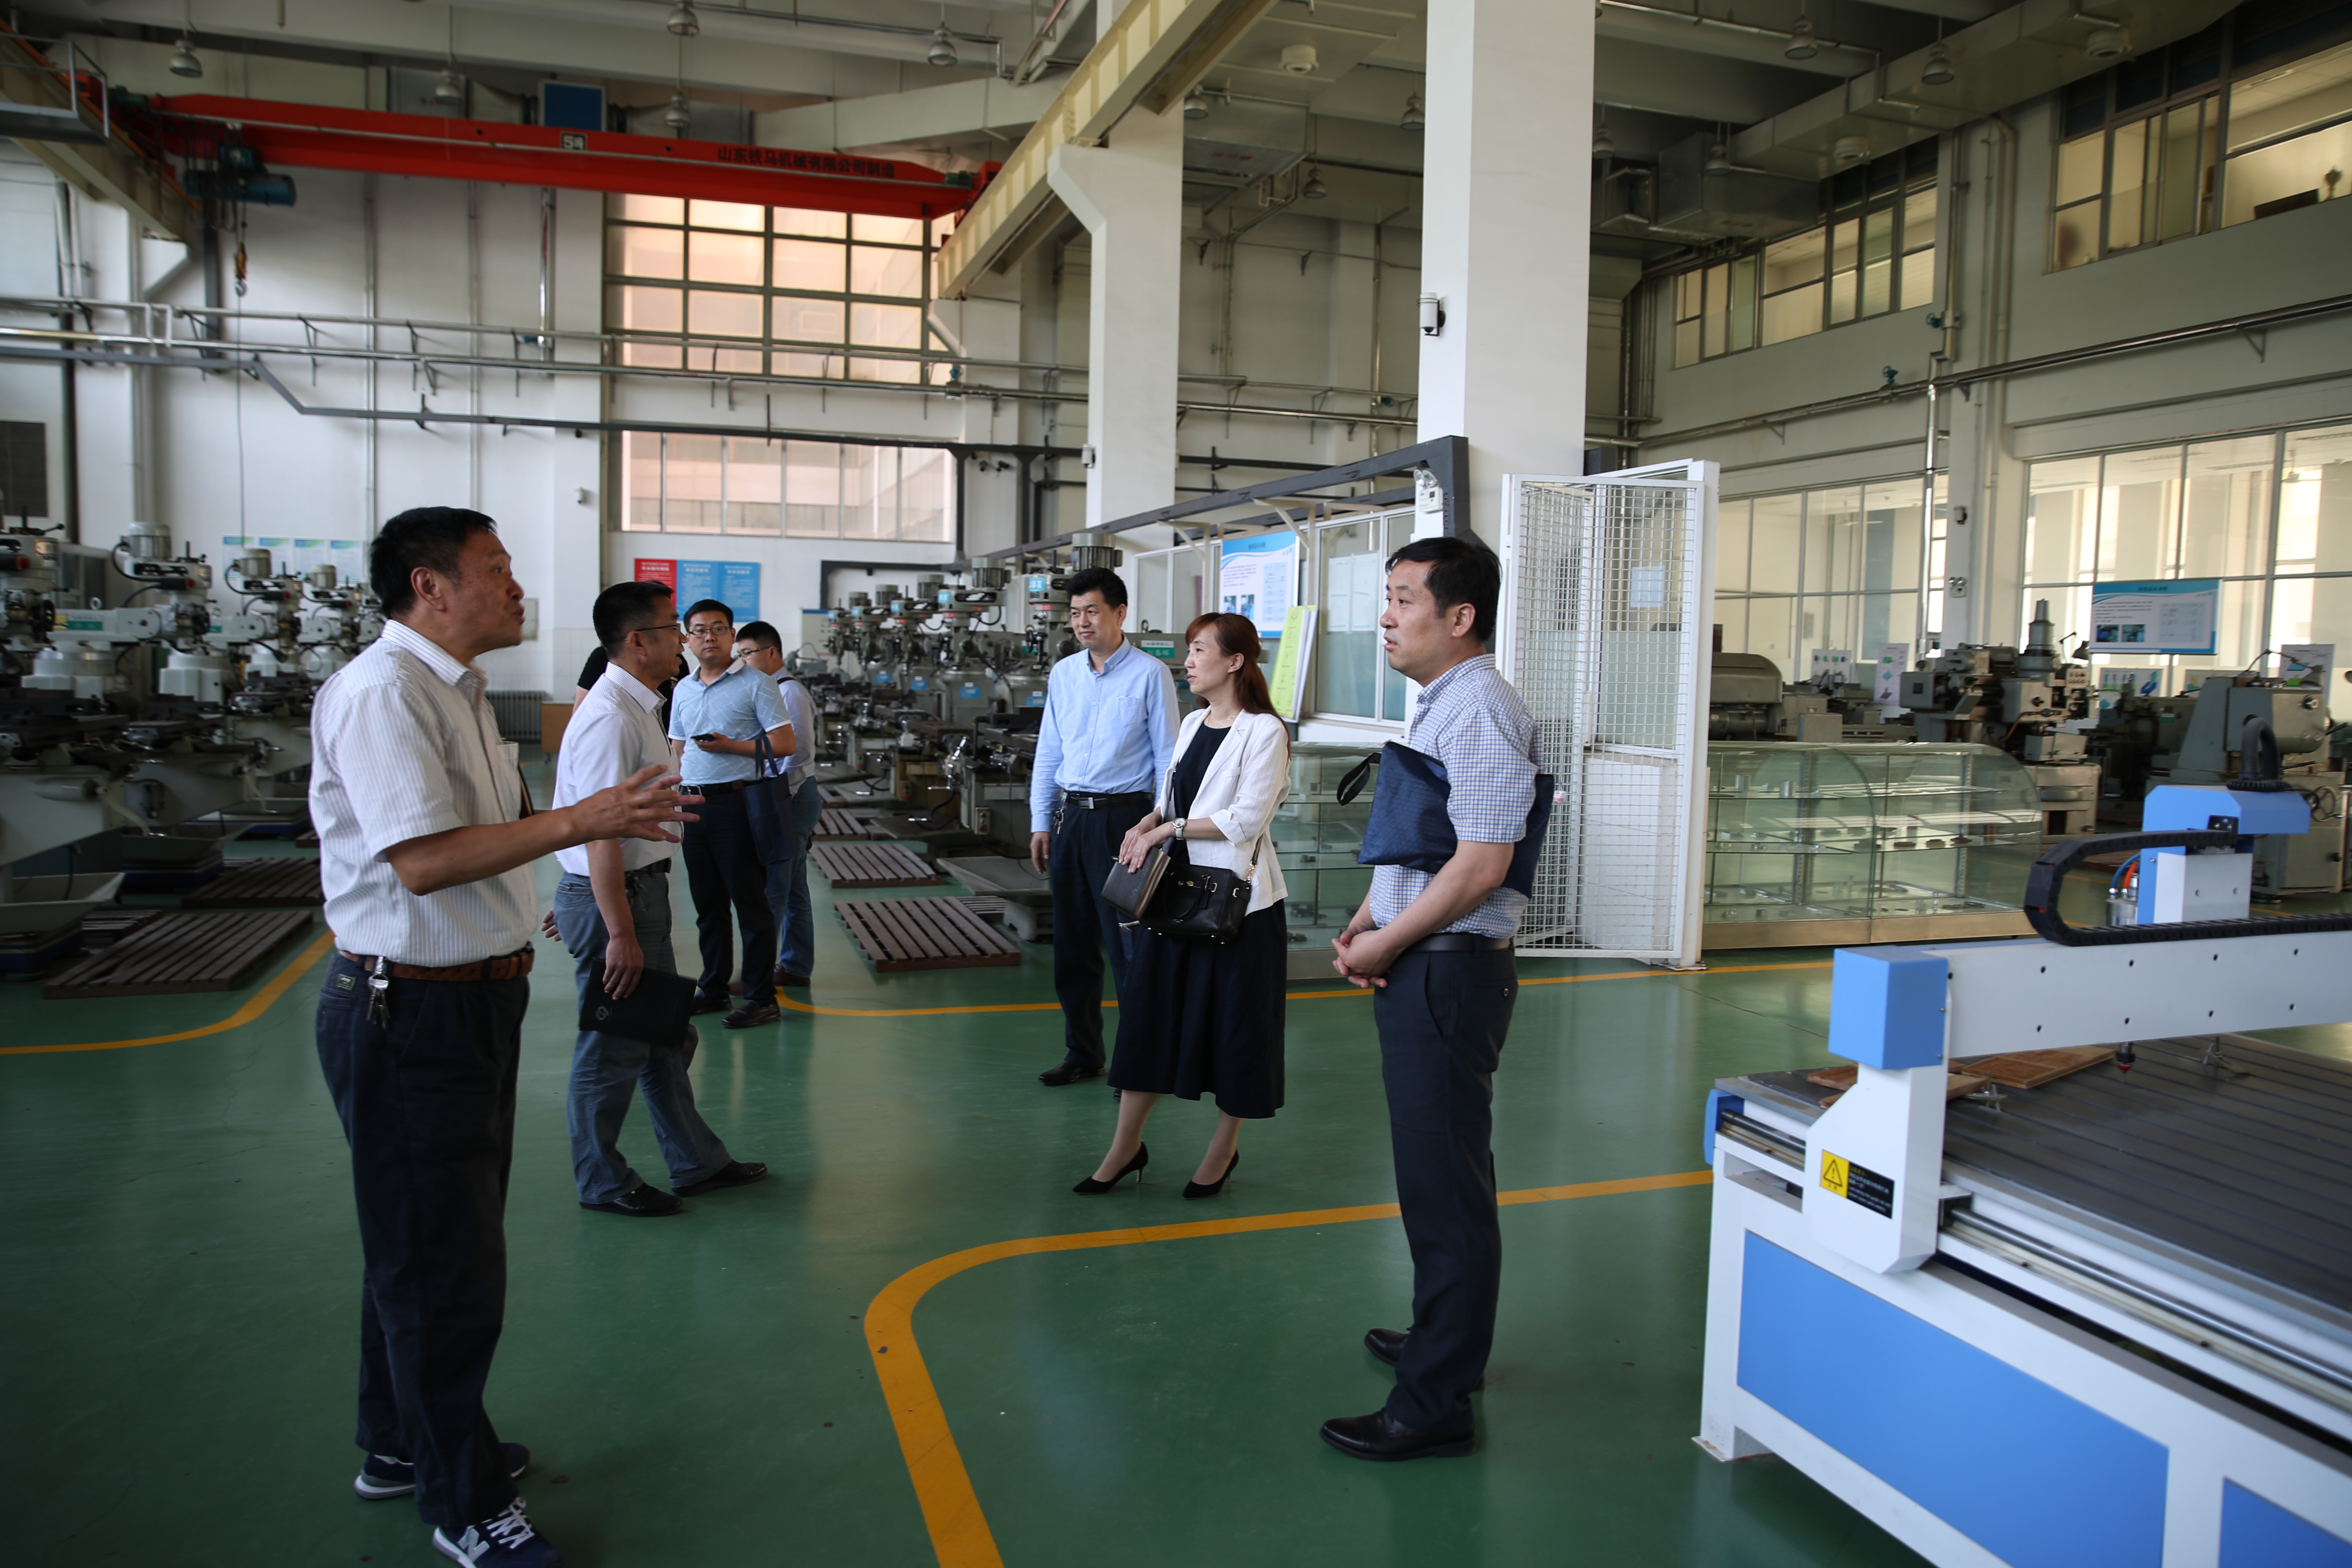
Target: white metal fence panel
{"x": 1606, "y": 588}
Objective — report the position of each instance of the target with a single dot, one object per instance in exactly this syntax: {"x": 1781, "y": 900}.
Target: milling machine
{"x": 139, "y": 716}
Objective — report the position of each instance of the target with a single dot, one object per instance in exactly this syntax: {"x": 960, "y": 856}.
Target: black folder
{"x": 656, "y": 1012}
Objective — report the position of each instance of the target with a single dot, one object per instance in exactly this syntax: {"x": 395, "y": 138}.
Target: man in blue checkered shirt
{"x": 1437, "y": 950}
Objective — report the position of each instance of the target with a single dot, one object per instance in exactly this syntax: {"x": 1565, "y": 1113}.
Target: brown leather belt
{"x": 513, "y": 966}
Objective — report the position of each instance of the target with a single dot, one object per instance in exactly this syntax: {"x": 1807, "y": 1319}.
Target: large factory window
{"x": 1873, "y": 251}
{"x": 752, "y": 291}
{"x": 2268, "y": 516}
{"x": 2250, "y": 119}
{"x": 806, "y": 490}
{"x": 1834, "y": 568}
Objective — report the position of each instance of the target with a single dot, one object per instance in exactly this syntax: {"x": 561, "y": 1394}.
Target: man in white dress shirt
{"x": 612, "y": 906}
{"x": 426, "y": 840}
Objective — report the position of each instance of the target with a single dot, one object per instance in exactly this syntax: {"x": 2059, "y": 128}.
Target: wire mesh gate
{"x": 1607, "y": 584}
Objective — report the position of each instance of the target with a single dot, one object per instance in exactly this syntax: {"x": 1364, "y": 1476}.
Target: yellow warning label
{"x": 1835, "y": 1172}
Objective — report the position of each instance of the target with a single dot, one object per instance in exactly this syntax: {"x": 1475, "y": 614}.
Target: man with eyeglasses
{"x": 716, "y": 716}
{"x": 613, "y": 908}
{"x": 1105, "y": 742}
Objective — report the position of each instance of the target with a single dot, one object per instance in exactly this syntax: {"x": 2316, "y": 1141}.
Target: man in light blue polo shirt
{"x": 1106, "y": 739}
{"x": 715, "y": 717}
{"x": 760, "y": 646}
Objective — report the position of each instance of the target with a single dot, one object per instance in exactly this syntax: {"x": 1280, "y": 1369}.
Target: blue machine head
{"x": 2210, "y": 808}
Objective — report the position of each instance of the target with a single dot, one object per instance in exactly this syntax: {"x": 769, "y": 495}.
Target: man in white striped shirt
{"x": 426, "y": 840}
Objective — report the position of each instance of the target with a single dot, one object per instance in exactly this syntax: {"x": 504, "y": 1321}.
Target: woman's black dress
{"x": 1195, "y": 1017}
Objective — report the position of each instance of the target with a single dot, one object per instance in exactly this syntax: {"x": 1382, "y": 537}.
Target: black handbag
{"x": 1202, "y": 903}
{"x": 1409, "y": 825}
{"x": 1130, "y": 892}
{"x": 767, "y": 807}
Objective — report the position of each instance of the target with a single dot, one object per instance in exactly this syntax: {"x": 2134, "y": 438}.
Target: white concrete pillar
{"x": 1129, "y": 194}
{"x": 1507, "y": 238}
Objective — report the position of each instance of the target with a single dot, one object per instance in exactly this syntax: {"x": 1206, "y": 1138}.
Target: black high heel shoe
{"x": 1195, "y": 1190}
{"x": 1090, "y": 1187}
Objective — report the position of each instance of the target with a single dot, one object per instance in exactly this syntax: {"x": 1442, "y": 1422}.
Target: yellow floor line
{"x": 951, "y": 1512}
{"x": 793, "y": 1005}
{"x": 260, "y": 1002}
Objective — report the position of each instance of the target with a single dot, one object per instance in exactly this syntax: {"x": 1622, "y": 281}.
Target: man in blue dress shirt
{"x": 715, "y": 717}
{"x": 1109, "y": 734}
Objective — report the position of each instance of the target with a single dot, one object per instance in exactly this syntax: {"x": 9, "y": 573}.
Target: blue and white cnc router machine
{"x": 2101, "y": 1322}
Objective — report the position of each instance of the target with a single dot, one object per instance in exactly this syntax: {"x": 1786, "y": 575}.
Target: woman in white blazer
{"x": 1199, "y": 1017}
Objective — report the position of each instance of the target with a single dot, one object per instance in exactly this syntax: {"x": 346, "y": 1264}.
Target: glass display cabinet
{"x": 1316, "y": 842}
{"x": 1833, "y": 845}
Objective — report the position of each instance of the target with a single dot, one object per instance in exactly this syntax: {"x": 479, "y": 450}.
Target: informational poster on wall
{"x": 2117, "y": 681}
{"x": 1257, "y": 578}
{"x": 734, "y": 583}
{"x": 2307, "y": 664}
{"x": 1298, "y": 644}
{"x": 2156, "y": 617}
{"x": 1893, "y": 659}
{"x": 1833, "y": 661}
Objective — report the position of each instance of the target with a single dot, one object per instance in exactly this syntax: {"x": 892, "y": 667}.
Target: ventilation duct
{"x": 1736, "y": 201}
{"x": 2001, "y": 61}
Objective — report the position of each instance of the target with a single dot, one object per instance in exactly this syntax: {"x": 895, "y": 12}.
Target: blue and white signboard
{"x": 2131, "y": 618}
{"x": 1257, "y": 578}
{"x": 734, "y": 583}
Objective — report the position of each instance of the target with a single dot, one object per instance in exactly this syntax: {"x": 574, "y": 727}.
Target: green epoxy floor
{"x": 179, "y": 1272}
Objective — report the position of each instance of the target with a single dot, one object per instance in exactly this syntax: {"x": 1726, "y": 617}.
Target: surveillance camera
{"x": 1432, "y": 316}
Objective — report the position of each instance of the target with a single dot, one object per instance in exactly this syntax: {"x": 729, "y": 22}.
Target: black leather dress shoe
{"x": 640, "y": 1202}
{"x": 1389, "y": 1345}
{"x": 1067, "y": 1073}
{"x": 710, "y": 1001}
{"x": 783, "y": 979}
{"x": 1379, "y": 1437}
{"x": 734, "y": 1174}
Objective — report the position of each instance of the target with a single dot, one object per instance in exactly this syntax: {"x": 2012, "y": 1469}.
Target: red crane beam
{"x": 313, "y": 136}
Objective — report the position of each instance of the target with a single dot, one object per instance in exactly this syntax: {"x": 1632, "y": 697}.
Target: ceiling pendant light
{"x": 1196, "y": 105}
{"x": 683, "y": 21}
{"x": 1800, "y": 40}
{"x": 1412, "y": 118}
{"x": 1604, "y": 145}
{"x": 2105, "y": 43}
{"x": 1939, "y": 71}
{"x": 677, "y": 117}
{"x": 1718, "y": 160}
{"x": 183, "y": 57}
{"x": 943, "y": 49}
{"x": 448, "y": 89}
{"x": 1314, "y": 189}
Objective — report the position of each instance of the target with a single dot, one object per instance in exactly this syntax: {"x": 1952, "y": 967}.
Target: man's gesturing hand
{"x": 637, "y": 807}
{"x": 1041, "y": 846}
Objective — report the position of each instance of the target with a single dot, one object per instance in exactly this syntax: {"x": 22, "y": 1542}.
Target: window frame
{"x": 773, "y": 354}
{"x": 1724, "y": 292}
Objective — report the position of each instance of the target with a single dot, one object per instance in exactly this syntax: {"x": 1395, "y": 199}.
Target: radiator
{"x": 518, "y": 714}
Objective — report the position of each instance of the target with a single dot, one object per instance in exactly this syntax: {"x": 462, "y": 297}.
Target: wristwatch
{"x": 1179, "y": 826}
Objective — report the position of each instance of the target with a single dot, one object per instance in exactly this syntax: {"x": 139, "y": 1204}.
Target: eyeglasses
{"x": 657, "y": 627}
{"x": 715, "y": 629}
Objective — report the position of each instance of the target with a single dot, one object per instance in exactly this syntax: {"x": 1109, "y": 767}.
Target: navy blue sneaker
{"x": 502, "y": 1540}
{"x": 383, "y": 1476}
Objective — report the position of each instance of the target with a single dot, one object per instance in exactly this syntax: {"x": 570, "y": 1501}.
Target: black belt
{"x": 1103, "y": 801}
{"x": 1460, "y": 941}
{"x": 708, "y": 790}
{"x": 658, "y": 869}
